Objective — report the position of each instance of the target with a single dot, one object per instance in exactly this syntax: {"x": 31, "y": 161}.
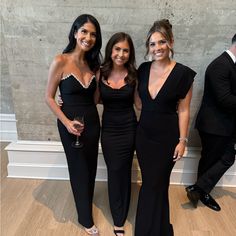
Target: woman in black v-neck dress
{"x": 164, "y": 87}
{"x": 73, "y": 71}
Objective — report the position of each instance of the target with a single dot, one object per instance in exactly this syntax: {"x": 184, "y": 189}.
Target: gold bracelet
{"x": 183, "y": 139}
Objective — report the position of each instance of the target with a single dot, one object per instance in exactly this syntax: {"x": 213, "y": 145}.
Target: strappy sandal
{"x": 118, "y": 231}
{"x": 92, "y": 231}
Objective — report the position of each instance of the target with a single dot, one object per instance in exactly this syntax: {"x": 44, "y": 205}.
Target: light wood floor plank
{"x": 46, "y": 208}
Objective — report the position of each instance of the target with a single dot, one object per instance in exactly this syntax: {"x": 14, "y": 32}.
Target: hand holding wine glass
{"x": 79, "y": 125}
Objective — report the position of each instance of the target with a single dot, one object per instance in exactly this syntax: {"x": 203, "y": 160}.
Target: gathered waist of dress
{"x": 150, "y": 116}
{"x": 76, "y": 104}
{"x": 159, "y": 111}
{"x": 118, "y": 109}
{"x": 77, "y": 100}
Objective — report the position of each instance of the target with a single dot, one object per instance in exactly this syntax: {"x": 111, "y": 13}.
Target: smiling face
{"x": 159, "y": 47}
{"x": 120, "y": 53}
{"x": 86, "y": 36}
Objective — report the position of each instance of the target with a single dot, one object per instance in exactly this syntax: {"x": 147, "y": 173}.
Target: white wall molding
{"x": 46, "y": 160}
{"x": 8, "y": 131}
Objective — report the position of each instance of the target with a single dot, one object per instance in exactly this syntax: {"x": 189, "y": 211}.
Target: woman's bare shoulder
{"x": 57, "y": 66}
{"x": 60, "y": 59}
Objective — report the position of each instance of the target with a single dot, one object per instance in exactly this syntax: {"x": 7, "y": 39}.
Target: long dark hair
{"x": 234, "y": 39}
{"x": 130, "y": 65}
{"x": 93, "y": 56}
{"x": 165, "y": 28}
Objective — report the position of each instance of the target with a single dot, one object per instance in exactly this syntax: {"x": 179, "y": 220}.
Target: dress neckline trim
{"x": 83, "y": 85}
{"x": 163, "y": 85}
{"x": 112, "y": 87}
{"x": 107, "y": 84}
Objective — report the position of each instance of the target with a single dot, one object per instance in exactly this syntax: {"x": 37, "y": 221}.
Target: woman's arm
{"x": 137, "y": 100}
{"x": 97, "y": 98}
{"x": 184, "y": 116}
{"x": 54, "y": 78}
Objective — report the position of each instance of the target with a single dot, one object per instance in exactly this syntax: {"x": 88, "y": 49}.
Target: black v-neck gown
{"x": 156, "y": 139}
{"x": 118, "y": 142}
{"x": 82, "y": 163}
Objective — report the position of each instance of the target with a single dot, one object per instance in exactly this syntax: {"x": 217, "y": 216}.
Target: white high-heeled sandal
{"x": 92, "y": 231}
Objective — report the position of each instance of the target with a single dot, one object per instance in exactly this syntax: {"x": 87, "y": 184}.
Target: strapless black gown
{"x": 118, "y": 141}
{"x": 82, "y": 163}
{"x": 156, "y": 139}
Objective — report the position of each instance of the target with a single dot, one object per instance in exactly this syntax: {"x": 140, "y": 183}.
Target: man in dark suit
{"x": 216, "y": 124}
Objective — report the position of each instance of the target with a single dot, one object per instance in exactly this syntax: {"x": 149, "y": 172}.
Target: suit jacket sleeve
{"x": 220, "y": 79}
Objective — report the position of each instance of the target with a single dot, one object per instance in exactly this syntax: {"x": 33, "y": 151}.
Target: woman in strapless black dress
{"x": 117, "y": 90}
{"x": 165, "y": 90}
{"x": 74, "y": 73}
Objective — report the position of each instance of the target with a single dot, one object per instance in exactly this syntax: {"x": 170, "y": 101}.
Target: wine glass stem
{"x": 77, "y": 140}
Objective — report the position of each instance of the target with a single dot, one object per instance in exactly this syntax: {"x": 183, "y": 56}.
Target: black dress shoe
{"x": 209, "y": 201}
{"x": 193, "y": 194}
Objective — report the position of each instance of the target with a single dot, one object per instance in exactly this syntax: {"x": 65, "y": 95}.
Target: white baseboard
{"x": 46, "y": 160}
{"x": 8, "y": 131}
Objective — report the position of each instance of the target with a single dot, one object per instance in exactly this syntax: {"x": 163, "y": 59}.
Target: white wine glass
{"x": 77, "y": 143}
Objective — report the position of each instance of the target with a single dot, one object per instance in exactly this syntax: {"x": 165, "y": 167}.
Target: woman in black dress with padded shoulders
{"x": 165, "y": 89}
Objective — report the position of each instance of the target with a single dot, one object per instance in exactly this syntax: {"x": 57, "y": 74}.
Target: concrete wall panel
{"x": 33, "y": 32}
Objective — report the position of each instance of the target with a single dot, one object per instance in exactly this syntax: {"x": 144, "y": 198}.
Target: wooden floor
{"x": 46, "y": 207}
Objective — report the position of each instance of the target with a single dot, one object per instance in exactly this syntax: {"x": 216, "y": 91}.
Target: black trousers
{"x": 217, "y": 156}
{"x": 82, "y": 166}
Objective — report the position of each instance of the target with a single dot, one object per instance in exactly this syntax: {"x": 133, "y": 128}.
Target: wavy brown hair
{"x": 130, "y": 65}
{"x": 165, "y": 28}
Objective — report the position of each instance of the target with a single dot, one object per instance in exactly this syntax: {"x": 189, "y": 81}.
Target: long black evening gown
{"x": 156, "y": 139}
{"x": 82, "y": 162}
{"x": 118, "y": 142}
